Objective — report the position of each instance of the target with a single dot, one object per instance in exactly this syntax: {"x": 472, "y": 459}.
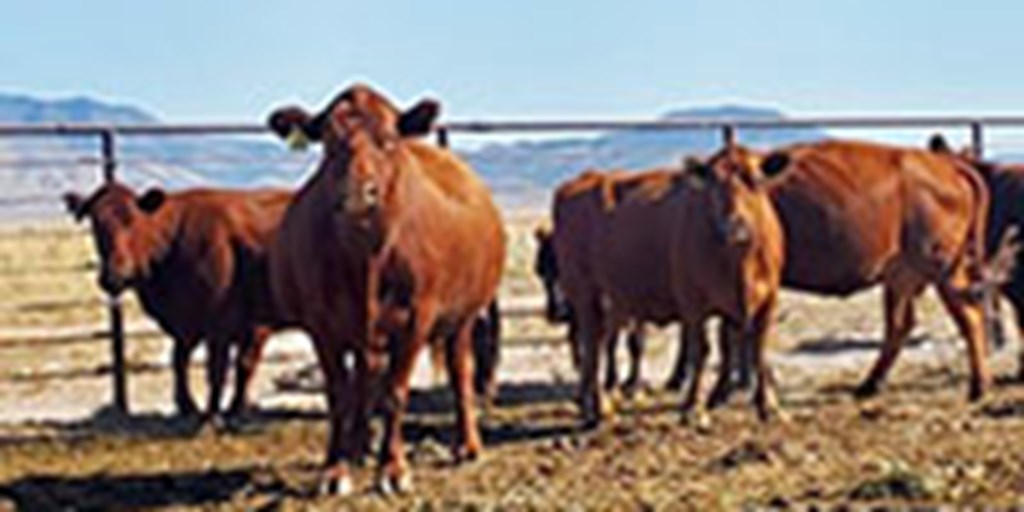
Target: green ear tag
{"x": 297, "y": 139}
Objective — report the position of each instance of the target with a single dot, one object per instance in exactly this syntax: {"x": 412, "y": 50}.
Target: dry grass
{"x": 919, "y": 443}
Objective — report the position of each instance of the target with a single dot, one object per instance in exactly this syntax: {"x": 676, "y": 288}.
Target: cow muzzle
{"x": 736, "y": 231}
{"x": 363, "y": 201}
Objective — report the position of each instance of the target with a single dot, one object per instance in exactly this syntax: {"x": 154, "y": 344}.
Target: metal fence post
{"x": 117, "y": 369}
{"x": 977, "y": 140}
{"x": 442, "y": 137}
{"x": 729, "y": 135}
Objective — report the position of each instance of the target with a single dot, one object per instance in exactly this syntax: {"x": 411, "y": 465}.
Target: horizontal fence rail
{"x": 470, "y": 126}
{"x": 106, "y": 158}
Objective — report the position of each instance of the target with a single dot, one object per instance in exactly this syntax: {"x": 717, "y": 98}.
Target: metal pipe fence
{"x": 731, "y": 132}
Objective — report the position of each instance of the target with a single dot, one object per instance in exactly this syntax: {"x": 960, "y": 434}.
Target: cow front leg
{"x": 182, "y": 355}
{"x": 393, "y": 473}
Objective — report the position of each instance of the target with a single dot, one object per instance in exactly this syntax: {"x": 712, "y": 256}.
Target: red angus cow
{"x": 391, "y": 239}
{"x": 858, "y": 214}
{"x": 197, "y": 260}
{"x": 613, "y": 245}
{"x": 586, "y": 201}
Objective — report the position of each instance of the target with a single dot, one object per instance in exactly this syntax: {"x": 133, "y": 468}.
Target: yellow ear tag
{"x": 297, "y": 139}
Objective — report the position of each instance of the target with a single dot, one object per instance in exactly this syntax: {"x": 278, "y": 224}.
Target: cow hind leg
{"x": 765, "y": 399}
{"x": 611, "y": 369}
{"x": 969, "y": 316}
{"x": 684, "y": 361}
{"x": 635, "y": 343}
{"x": 183, "y": 348}
{"x": 1017, "y": 301}
{"x": 467, "y": 445}
{"x": 218, "y": 349}
{"x": 246, "y": 361}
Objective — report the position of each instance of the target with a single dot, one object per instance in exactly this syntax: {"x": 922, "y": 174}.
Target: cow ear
{"x": 152, "y": 200}
{"x": 938, "y": 144}
{"x": 419, "y": 120}
{"x": 296, "y": 126}
{"x": 542, "y": 233}
{"x": 75, "y": 205}
{"x": 774, "y": 164}
{"x": 695, "y": 173}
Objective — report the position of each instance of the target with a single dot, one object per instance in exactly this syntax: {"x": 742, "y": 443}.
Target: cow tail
{"x": 987, "y": 271}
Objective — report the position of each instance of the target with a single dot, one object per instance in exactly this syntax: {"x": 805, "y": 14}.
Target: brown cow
{"x": 197, "y": 260}
{"x": 858, "y": 214}
{"x": 727, "y": 248}
{"x": 612, "y": 246}
{"x": 391, "y": 239}
{"x": 584, "y": 201}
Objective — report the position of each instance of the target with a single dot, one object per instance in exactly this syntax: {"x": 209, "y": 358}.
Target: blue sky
{"x": 194, "y": 60}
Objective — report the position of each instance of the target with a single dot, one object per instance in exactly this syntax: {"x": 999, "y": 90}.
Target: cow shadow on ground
{"x": 439, "y": 398}
{"x": 108, "y": 421}
{"x": 837, "y": 344}
{"x": 135, "y": 491}
{"x": 432, "y": 414}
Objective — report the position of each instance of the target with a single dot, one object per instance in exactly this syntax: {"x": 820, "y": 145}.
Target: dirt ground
{"x": 918, "y": 443}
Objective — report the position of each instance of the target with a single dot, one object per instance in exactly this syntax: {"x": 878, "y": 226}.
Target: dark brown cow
{"x": 585, "y": 201}
{"x": 1005, "y": 185}
{"x": 197, "y": 260}
{"x": 391, "y": 239}
{"x": 612, "y": 243}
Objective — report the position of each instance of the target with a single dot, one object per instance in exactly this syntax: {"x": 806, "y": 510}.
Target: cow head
{"x": 123, "y": 231}
{"x": 361, "y": 132}
{"x": 732, "y": 183}
{"x": 545, "y": 266}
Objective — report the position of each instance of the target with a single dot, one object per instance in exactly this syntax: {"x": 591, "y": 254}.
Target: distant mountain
{"x": 26, "y": 109}
{"x": 541, "y": 165}
{"x": 34, "y": 172}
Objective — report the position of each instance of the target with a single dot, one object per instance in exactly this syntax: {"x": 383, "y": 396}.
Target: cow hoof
{"x": 720, "y": 395}
{"x": 865, "y": 390}
{"x": 607, "y": 407}
{"x": 772, "y": 415}
{"x": 336, "y": 485}
{"x": 463, "y": 453}
{"x": 698, "y": 420}
{"x": 632, "y": 388}
{"x": 390, "y": 484}
{"x": 675, "y": 384}
{"x": 215, "y": 422}
{"x": 187, "y": 410}
{"x": 590, "y": 422}
{"x": 976, "y": 392}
